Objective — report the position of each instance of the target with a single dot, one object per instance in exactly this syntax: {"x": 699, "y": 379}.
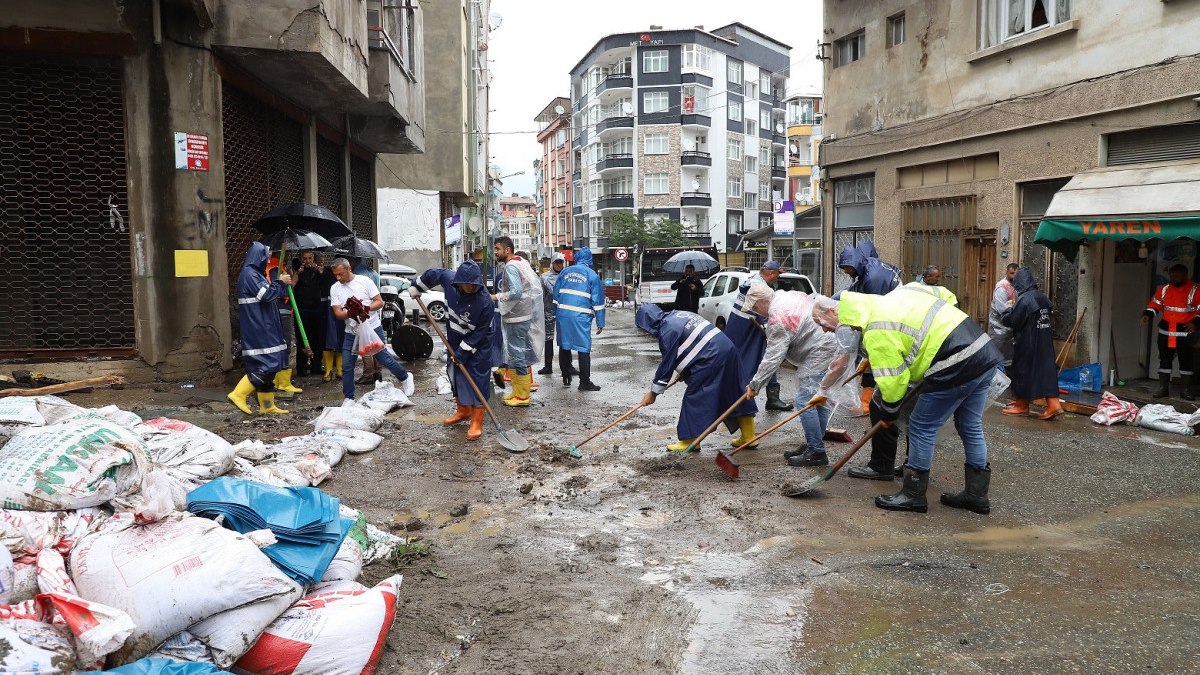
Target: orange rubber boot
{"x": 533, "y": 386}
{"x": 1018, "y": 407}
{"x": 476, "y": 431}
{"x": 461, "y": 414}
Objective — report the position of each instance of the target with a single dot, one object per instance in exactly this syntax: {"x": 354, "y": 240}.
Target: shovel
{"x": 808, "y": 485}
{"x": 511, "y": 439}
{"x": 725, "y": 460}
{"x": 695, "y": 444}
{"x": 574, "y": 449}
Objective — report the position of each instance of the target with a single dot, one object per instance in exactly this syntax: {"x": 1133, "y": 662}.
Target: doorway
{"x": 979, "y": 256}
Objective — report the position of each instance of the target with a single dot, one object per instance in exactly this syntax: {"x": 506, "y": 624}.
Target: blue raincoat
{"x": 695, "y": 350}
{"x": 264, "y": 348}
{"x": 875, "y": 276}
{"x": 739, "y": 328}
{"x": 579, "y": 295}
{"x": 469, "y": 327}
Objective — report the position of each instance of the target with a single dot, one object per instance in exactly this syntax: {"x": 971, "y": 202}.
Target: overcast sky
{"x": 539, "y": 41}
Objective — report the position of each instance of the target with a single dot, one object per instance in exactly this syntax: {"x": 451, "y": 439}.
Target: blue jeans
{"x": 350, "y": 357}
{"x": 814, "y": 421}
{"x": 516, "y": 337}
{"x": 966, "y": 402}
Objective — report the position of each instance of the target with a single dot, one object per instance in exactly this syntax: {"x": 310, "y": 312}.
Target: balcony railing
{"x": 695, "y": 158}
{"x": 615, "y": 201}
{"x": 778, "y": 172}
{"x": 615, "y": 81}
{"x": 615, "y": 161}
{"x": 620, "y": 122}
{"x": 691, "y": 120}
{"x": 696, "y": 199}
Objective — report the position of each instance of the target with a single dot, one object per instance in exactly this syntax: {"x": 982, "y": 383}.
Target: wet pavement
{"x": 627, "y": 561}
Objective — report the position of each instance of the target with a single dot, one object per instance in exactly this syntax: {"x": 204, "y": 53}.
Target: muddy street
{"x": 627, "y": 561}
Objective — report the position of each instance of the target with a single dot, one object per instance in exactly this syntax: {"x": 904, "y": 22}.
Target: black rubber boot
{"x": 788, "y": 454}
{"x": 1188, "y": 394}
{"x": 548, "y": 369}
{"x": 564, "y": 364}
{"x": 866, "y": 472}
{"x": 1164, "y": 386}
{"x": 773, "y": 400}
{"x": 809, "y": 458}
{"x": 911, "y": 496}
{"x": 974, "y": 497}
{"x": 585, "y": 373}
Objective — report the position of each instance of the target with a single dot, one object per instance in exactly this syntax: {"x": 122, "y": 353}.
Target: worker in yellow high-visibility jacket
{"x": 912, "y": 336}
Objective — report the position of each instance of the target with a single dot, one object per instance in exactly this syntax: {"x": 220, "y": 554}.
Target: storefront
{"x": 1125, "y": 227}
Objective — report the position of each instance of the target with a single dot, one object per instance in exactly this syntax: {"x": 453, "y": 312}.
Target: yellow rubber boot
{"x": 283, "y": 383}
{"x": 327, "y": 361}
{"x": 240, "y": 393}
{"x": 682, "y": 444}
{"x": 337, "y": 360}
{"x": 476, "y": 429}
{"x": 266, "y": 404}
{"x": 745, "y": 432}
{"x": 520, "y": 395}
{"x": 461, "y": 414}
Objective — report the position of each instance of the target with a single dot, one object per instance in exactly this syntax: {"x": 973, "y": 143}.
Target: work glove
{"x": 817, "y": 400}
{"x": 414, "y": 292}
{"x": 498, "y": 379}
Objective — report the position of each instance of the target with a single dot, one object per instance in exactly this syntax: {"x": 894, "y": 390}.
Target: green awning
{"x": 1064, "y": 236}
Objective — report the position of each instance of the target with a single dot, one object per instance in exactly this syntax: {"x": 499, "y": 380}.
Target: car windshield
{"x": 789, "y": 283}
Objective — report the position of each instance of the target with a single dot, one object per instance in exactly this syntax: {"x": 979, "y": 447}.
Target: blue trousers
{"x": 966, "y": 402}
{"x": 814, "y": 421}
{"x": 516, "y": 338}
{"x": 350, "y": 357}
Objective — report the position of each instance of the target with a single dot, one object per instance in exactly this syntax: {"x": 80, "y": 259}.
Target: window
{"x": 733, "y": 71}
{"x": 751, "y": 200}
{"x": 654, "y": 102}
{"x": 764, "y": 156}
{"x": 560, "y": 196}
{"x": 850, "y": 48}
{"x": 895, "y": 30}
{"x": 734, "y": 222}
{"x": 656, "y": 184}
{"x": 752, "y": 89}
{"x": 656, "y": 144}
{"x": 560, "y": 138}
{"x": 764, "y": 120}
{"x": 853, "y": 218}
{"x": 735, "y": 187}
{"x": 734, "y": 148}
{"x": 697, "y": 57}
{"x": 751, "y": 128}
{"x": 695, "y": 99}
{"x": 751, "y": 164}
{"x": 734, "y": 110}
{"x": 562, "y": 166}
{"x": 621, "y": 185}
{"x": 654, "y": 61}
{"x": 1007, "y": 19}
{"x": 764, "y": 81}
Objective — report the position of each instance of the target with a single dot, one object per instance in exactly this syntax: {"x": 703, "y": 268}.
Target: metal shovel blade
{"x": 807, "y": 486}
{"x": 512, "y": 440}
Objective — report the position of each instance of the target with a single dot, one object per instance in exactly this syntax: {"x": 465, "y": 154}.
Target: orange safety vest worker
{"x": 1177, "y": 305}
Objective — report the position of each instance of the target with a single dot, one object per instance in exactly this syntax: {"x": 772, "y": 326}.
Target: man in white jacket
{"x": 519, "y": 300}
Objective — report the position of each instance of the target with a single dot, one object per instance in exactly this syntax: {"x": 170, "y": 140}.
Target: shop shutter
{"x": 1156, "y": 144}
{"x": 65, "y": 251}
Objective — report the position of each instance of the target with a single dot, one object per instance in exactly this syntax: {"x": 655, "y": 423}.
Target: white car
{"x": 721, "y": 291}
{"x": 434, "y": 300}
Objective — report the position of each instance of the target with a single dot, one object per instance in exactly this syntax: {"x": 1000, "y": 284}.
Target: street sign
{"x": 621, "y": 254}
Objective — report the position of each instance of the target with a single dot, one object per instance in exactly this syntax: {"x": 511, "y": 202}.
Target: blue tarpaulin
{"x": 162, "y": 667}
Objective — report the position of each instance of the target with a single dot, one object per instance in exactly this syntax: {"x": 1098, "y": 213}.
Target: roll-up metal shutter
{"x": 1155, "y": 144}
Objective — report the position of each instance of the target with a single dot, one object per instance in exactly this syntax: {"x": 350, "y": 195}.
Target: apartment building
{"x": 555, "y": 230}
{"x": 960, "y": 133}
{"x": 679, "y": 124}
{"x": 518, "y": 219}
{"x": 141, "y": 141}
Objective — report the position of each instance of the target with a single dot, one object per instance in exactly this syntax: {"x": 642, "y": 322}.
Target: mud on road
{"x": 624, "y": 561}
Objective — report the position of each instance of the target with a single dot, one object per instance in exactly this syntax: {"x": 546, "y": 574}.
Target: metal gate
{"x": 65, "y": 254}
{"x": 329, "y": 175}
{"x": 362, "y": 197}
{"x": 264, "y": 167}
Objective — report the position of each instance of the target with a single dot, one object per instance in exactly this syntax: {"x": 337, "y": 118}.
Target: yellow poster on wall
{"x": 191, "y": 263}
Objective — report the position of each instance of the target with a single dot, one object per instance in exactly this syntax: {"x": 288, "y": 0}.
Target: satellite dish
{"x": 558, "y": 110}
{"x": 695, "y": 184}
{"x": 494, "y": 171}
{"x": 495, "y": 20}
{"x": 795, "y": 149}
{"x": 779, "y": 128}
{"x": 689, "y": 144}
{"x": 627, "y": 107}
{"x": 474, "y": 223}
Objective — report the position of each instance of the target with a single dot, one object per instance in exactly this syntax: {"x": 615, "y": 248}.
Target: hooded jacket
{"x": 792, "y": 334}
{"x": 873, "y": 275}
{"x": 579, "y": 297}
{"x": 470, "y": 323}
{"x": 264, "y": 349}
{"x": 549, "y": 278}
{"x": 1034, "y": 372}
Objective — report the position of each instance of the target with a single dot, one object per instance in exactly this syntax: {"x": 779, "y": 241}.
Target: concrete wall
{"x": 410, "y": 227}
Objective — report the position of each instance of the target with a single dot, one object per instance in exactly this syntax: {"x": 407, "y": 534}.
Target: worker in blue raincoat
{"x": 264, "y": 347}
{"x": 470, "y": 332}
{"x": 579, "y": 298}
{"x": 752, "y": 341}
{"x": 697, "y": 352}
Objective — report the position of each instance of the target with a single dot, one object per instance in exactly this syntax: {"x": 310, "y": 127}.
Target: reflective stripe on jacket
{"x": 1177, "y": 304}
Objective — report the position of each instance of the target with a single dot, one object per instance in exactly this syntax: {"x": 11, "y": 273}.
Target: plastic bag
{"x": 999, "y": 384}
{"x": 367, "y": 342}
{"x": 1089, "y": 377}
{"x": 1162, "y": 417}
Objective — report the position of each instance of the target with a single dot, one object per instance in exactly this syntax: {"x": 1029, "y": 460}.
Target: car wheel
{"x": 720, "y": 323}
{"x": 437, "y": 310}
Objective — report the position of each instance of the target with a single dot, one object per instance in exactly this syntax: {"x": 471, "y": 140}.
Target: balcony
{"x": 692, "y": 120}
{"x": 614, "y": 162}
{"x": 779, "y": 139}
{"x": 615, "y": 82}
{"x": 696, "y": 199}
{"x": 618, "y": 122}
{"x": 778, "y": 172}
{"x": 397, "y": 100}
{"x": 695, "y": 158}
{"x": 614, "y": 201}
{"x": 577, "y": 209}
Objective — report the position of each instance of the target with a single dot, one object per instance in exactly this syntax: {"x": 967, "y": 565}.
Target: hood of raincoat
{"x": 649, "y": 318}
{"x": 1023, "y": 281}
{"x": 257, "y": 256}
{"x": 584, "y": 257}
{"x": 468, "y": 273}
{"x": 852, "y": 257}
{"x": 854, "y": 309}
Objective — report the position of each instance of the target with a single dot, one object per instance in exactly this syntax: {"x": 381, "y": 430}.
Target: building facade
{"x": 554, "y": 221}
{"x": 518, "y": 219}
{"x": 141, "y": 141}
{"x": 951, "y": 128}
{"x": 432, "y": 206}
{"x": 683, "y": 124}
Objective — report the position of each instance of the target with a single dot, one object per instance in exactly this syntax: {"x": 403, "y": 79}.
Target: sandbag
{"x": 347, "y": 564}
{"x": 18, "y": 412}
{"x": 1161, "y": 417}
{"x": 186, "y": 452}
{"x": 228, "y": 635}
{"x": 1112, "y": 410}
{"x": 332, "y": 633}
{"x": 34, "y": 647}
{"x": 85, "y": 461}
{"x": 171, "y": 575}
{"x": 99, "y": 629}
{"x": 125, "y": 418}
{"x": 356, "y": 441}
{"x": 24, "y": 533}
{"x": 386, "y": 397}
{"x": 8, "y": 575}
{"x": 349, "y": 417}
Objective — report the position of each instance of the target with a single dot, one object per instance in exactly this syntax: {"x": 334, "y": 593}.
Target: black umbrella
{"x": 301, "y": 216}
{"x": 296, "y": 240}
{"x": 702, "y": 261}
{"x": 357, "y": 247}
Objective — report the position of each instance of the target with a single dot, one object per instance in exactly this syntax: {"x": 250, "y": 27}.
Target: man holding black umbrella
{"x": 313, "y": 297}
{"x": 687, "y": 290}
